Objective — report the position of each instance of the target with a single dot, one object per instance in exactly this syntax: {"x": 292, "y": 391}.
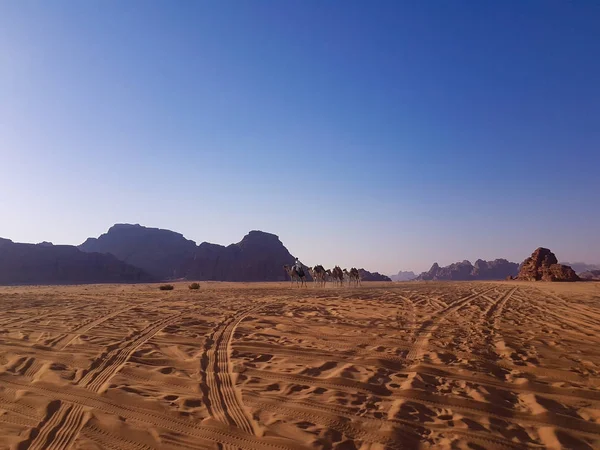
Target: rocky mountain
{"x": 259, "y": 256}
{"x": 372, "y": 276}
{"x": 165, "y": 254}
{"x": 498, "y": 269}
{"x": 62, "y": 264}
{"x": 403, "y": 276}
{"x": 580, "y": 267}
{"x": 158, "y": 252}
{"x": 542, "y": 265}
{"x": 590, "y": 275}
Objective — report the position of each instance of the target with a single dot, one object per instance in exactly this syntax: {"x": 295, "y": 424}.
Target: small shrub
{"x": 166, "y": 287}
{"x": 194, "y": 286}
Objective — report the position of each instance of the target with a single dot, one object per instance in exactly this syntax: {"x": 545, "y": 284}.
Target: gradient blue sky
{"x": 380, "y": 134}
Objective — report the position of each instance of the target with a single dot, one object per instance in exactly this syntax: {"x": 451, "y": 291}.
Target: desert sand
{"x": 264, "y": 366}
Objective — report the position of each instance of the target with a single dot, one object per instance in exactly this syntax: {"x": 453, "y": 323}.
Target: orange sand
{"x": 265, "y": 366}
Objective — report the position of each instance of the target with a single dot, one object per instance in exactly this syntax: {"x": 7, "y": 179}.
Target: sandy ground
{"x": 264, "y": 366}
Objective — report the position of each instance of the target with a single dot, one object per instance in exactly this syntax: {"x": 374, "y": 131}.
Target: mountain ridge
{"x": 45, "y": 263}
{"x": 498, "y": 269}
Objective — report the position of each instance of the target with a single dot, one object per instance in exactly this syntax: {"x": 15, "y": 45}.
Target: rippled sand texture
{"x": 264, "y": 366}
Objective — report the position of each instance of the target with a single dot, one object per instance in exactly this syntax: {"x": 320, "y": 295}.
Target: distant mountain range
{"x": 403, "y": 276}
{"x": 590, "y": 275}
{"x": 57, "y": 264}
{"x": 498, "y": 269}
{"x": 165, "y": 254}
{"x": 580, "y": 267}
{"x": 134, "y": 253}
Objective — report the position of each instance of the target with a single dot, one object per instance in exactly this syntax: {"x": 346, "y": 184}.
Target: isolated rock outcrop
{"x": 542, "y": 265}
{"x": 365, "y": 275}
{"x": 62, "y": 264}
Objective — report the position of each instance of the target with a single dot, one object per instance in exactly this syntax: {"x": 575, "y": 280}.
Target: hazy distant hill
{"x": 590, "y": 275}
{"x": 159, "y": 252}
{"x": 403, "y": 276}
{"x": 498, "y": 269}
{"x": 580, "y": 267}
{"x": 62, "y": 264}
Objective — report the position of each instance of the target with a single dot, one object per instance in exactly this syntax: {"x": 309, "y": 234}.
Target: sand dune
{"x": 264, "y": 366}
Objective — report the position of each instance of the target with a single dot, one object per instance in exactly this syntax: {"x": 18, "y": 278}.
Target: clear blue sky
{"x": 380, "y": 134}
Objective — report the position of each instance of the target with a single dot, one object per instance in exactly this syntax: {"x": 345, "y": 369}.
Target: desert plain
{"x": 264, "y": 366}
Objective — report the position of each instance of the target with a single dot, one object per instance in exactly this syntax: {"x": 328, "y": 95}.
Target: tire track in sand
{"x": 59, "y": 430}
{"x": 108, "y": 364}
{"x": 492, "y": 315}
{"x": 65, "y": 340}
{"x": 184, "y": 428}
{"x": 427, "y": 328}
{"x": 23, "y": 320}
{"x": 223, "y": 401}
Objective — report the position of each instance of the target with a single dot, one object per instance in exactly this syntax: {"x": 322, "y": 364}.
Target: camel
{"x": 318, "y": 274}
{"x": 353, "y": 276}
{"x": 338, "y": 275}
{"x": 299, "y": 277}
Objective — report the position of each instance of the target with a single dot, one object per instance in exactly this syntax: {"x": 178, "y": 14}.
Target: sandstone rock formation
{"x": 165, "y": 254}
{"x": 62, "y": 264}
{"x": 372, "y": 276}
{"x": 159, "y": 252}
{"x": 403, "y": 276}
{"x": 542, "y": 265}
{"x": 494, "y": 270}
{"x": 259, "y": 256}
{"x": 498, "y": 269}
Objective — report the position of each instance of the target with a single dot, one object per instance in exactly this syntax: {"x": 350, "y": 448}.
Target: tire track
{"x": 529, "y": 388}
{"x": 427, "y": 328}
{"x": 492, "y": 316}
{"x": 223, "y": 401}
{"x": 62, "y": 426}
{"x": 88, "y": 399}
{"x": 108, "y": 364}
{"x": 559, "y": 421}
{"x": 356, "y": 427}
{"x": 64, "y": 341}
{"x": 343, "y": 384}
{"x": 574, "y": 326}
{"x": 496, "y": 308}
{"x": 330, "y": 415}
{"x": 12, "y": 323}
{"x": 108, "y": 440}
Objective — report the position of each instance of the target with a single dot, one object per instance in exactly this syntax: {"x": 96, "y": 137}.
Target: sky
{"x": 387, "y": 135}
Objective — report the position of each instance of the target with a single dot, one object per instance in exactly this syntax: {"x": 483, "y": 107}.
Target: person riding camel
{"x": 298, "y": 267}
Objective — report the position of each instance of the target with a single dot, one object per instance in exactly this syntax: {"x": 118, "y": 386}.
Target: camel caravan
{"x": 322, "y": 276}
